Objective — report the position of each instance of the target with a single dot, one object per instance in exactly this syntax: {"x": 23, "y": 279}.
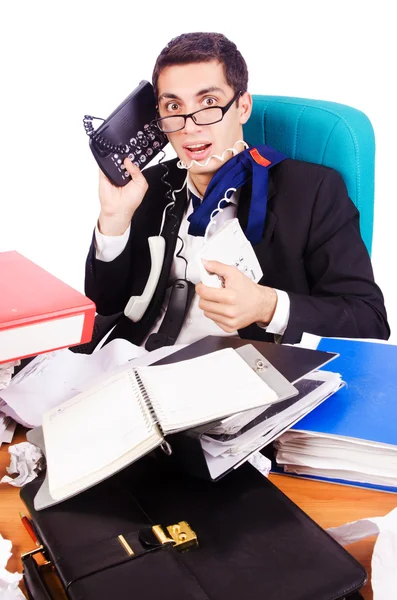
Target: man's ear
{"x": 245, "y": 107}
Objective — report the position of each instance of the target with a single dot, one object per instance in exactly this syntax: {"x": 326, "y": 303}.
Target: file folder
{"x": 365, "y": 409}
{"x": 291, "y": 362}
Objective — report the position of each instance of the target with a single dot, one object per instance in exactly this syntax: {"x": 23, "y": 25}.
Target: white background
{"x": 60, "y": 61}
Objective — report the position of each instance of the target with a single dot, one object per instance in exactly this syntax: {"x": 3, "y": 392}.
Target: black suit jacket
{"x": 311, "y": 248}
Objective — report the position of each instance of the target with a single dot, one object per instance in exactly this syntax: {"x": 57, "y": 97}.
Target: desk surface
{"x": 328, "y": 504}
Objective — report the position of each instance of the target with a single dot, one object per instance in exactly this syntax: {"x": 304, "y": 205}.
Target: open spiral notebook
{"x": 107, "y": 427}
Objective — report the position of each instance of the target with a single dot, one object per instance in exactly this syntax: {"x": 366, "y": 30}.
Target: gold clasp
{"x": 180, "y": 535}
{"x": 125, "y": 545}
{"x": 39, "y": 550}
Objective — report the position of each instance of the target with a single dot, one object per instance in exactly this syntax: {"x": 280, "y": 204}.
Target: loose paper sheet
{"x": 384, "y": 557}
{"x": 9, "y": 589}
{"x": 53, "y": 378}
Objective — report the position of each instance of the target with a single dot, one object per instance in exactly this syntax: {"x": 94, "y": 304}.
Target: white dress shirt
{"x": 196, "y": 325}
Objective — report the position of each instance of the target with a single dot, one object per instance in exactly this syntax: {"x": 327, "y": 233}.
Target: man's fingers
{"x": 214, "y": 266}
{"x": 221, "y": 295}
{"x": 217, "y": 308}
{"x": 135, "y": 172}
{"x": 223, "y": 323}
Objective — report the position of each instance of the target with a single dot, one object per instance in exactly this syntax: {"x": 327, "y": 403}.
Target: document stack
{"x": 7, "y": 425}
{"x": 229, "y": 443}
{"x": 214, "y": 450}
{"x": 143, "y": 406}
{"x": 352, "y": 438}
{"x": 38, "y": 313}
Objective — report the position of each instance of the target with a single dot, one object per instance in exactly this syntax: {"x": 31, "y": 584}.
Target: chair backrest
{"x": 327, "y": 133}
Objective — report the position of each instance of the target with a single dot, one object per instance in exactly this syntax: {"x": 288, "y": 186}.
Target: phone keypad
{"x": 141, "y": 149}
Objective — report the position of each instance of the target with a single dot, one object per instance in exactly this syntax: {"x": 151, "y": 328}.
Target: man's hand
{"x": 118, "y": 204}
{"x": 239, "y": 303}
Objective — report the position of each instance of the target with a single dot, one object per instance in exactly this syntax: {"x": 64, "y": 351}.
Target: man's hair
{"x": 204, "y": 47}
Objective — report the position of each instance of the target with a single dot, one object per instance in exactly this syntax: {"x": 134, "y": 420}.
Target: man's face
{"x": 183, "y": 89}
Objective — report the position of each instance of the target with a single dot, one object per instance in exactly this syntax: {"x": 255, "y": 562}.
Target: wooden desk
{"x": 327, "y": 504}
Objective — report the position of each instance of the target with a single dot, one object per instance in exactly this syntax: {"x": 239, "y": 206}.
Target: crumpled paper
{"x": 6, "y": 372}
{"x": 9, "y": 589}
{"x": 261, "y": 463}
{"x": 384, "y": 557}
{"x": 26, "y": 462}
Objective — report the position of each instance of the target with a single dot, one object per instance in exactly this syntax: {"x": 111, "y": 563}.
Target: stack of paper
{"x": 229, "y": 442}
{"x": 352, "y": 438}
{"x": 319, "y": 455}
{"x": 6, "y": 372}
{"x": 7, "y": 425}
{"x": 7, "y": 428}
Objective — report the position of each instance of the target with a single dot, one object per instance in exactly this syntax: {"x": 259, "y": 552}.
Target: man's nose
{"x": 191, "y": 126}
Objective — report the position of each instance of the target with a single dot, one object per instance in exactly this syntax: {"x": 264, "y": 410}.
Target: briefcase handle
{"x": 34, "y": 583}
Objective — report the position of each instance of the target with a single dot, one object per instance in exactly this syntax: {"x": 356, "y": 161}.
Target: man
{"x": 317, "y": 275}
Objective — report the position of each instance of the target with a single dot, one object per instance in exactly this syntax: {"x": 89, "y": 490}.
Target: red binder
{"x": 38, "y": 311}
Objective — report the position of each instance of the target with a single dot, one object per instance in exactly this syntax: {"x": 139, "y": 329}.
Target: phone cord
{"x": 143, "y": 139}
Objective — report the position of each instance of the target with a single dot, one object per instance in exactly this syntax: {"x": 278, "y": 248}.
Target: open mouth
{"x": 197, "y": 151}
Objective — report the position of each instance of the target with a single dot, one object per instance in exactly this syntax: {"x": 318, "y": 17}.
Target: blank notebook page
{"x": 203, "y": 389}
{"x": 92, "y": 430}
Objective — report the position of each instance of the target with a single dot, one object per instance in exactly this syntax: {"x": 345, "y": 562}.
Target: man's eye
{"x": 210, "y": 101}
{"x": 172, "y": 106}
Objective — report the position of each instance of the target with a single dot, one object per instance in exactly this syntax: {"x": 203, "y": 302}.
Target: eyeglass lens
{"x": 206, "y": 116}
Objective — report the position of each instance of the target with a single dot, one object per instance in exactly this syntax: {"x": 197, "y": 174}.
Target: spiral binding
{"x": 142, "y": 396}
{"x": 139, "y": 386}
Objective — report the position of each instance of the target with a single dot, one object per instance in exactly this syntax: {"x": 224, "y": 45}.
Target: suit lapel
{"x": 171, "y": 228}
{"x": 136, "y": 332}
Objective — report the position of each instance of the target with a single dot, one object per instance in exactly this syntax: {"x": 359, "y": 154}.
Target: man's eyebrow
{"x": 170, "y": 96}
{"x": 212, "y": 88}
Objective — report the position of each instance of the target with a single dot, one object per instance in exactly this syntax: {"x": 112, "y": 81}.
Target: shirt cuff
{"x": 109, "y": 247}
{"x": 279, "y": 323}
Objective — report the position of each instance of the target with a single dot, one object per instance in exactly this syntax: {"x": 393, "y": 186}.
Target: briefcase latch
{"x": 39, "y": 550}
{"x": 180, "y": 535}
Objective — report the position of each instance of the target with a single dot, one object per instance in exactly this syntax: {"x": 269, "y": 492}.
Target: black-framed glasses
{"x": 204, "y": 116}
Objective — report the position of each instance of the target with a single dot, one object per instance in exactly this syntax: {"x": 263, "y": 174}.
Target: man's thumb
{"x": 214, "y": 266}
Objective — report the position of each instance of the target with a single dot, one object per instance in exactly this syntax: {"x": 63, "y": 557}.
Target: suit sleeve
{"x": 108, "y": 283}
{"x": 343, "y": 298}
{"x": 111, "y": 284}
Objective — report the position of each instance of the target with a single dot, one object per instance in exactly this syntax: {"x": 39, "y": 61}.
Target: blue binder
{"x": 366, "y": 408}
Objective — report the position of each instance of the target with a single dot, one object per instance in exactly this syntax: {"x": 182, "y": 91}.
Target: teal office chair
{"x": 326, "y": 133}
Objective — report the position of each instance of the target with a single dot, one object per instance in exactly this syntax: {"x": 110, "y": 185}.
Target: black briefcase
{"x": 127, "y": 538}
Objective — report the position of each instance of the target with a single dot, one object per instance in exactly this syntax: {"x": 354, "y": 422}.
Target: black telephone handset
{"x": 129, "y": 131}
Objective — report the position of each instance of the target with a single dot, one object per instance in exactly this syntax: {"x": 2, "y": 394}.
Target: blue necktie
{"x": 195, "y": 201}
{"x": 251, "y": 164}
